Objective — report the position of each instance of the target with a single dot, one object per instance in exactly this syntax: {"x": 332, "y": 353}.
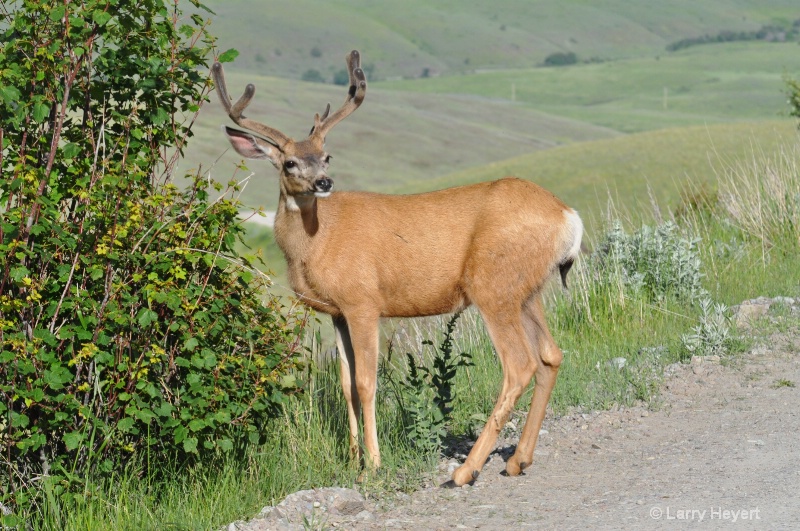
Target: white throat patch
{"x": 291, "y": 204}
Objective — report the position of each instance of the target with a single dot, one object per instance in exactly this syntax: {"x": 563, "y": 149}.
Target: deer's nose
{"x": 323, "y": 185}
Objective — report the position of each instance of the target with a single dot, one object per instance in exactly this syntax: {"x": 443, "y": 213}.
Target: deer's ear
{"x": 251, "y": 147}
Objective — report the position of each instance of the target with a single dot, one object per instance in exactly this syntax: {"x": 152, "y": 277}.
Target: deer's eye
{"x": 290, "y": 164}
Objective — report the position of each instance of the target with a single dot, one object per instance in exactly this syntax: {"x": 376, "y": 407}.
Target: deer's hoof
{"x": 463, "y": 475}
{"x": 514, "y": 466}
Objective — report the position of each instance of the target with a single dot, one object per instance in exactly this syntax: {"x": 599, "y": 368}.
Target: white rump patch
{"x": 573, "y": 234}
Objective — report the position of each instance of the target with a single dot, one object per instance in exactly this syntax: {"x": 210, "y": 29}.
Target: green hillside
{"x": 447, "y": 36}
{"x": 703, "y": 84}
{"x": 471, "y": 123}
{"x": 631, "y": 169}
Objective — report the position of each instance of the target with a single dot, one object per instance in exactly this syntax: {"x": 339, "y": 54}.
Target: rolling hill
{"x": 405, "y": 39}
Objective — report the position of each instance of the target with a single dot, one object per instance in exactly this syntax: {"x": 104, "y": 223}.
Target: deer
{"x": 360, "y": 257}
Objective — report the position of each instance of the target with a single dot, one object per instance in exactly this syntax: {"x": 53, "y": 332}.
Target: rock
{"x": 331, "y": 507}
{"x": 750, "y": 310}
{"x": 617, "y": 363}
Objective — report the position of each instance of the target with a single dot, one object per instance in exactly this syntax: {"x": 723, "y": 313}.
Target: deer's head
{"x": 303, "y": 165}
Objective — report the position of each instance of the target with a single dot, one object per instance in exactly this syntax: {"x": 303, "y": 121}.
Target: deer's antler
{"x": 235, "y": 110}
{"x": 355, "y": 95}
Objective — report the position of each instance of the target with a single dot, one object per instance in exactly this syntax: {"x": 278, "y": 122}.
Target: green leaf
{"x": 73, "y": 440}
{"x": 58, "y": 13}
{"x": 125, "y": 424}
{"x": 57, "y": 376}
{"x": 40, "y": 111}
{"x": 164, "y": 410}
{"x": 145, "y": 415}
{"x": 101, "y": 17}
{"x": 226, "y": 445}
{"x": 288, "y": 381}
{"x": 70, "y": 150}
{"x": 9, "y": 94}
{"x": 228, "y": 55}
{"x": 146, "y": 316}
{"x": 18, "y": 420}
{"x": 160, "y": 116}
{"x": 190, "y": 445}
{"x": 190, "y": 344}
{"x": 209, "y": 358}
{"x": 180, "y": 434}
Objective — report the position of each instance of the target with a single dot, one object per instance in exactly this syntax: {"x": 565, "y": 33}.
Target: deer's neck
{"x": 297, "y": 229}
{"x": 297, "y": 233}
{"x": 296, "y": 225}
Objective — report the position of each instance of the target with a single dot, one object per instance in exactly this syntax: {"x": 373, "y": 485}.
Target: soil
{"x": 722, "y": 449}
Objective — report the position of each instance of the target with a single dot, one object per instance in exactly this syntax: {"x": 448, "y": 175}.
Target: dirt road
{"x": 722, "y": 451}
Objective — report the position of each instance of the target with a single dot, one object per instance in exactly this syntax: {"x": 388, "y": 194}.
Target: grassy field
{"x": 634, "y": 169}
{"x": 700, "y": 85}
{"x": 402, "y": 39}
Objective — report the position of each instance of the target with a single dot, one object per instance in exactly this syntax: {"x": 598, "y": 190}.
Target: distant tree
{"x": 794, "y": 97}
{"x": 312, "y": 76}
{"x": 316, "y": 52}
{"x": 341, "y": 77}
{"x": 369, "y": 71}
{"x": 561, "y": 59}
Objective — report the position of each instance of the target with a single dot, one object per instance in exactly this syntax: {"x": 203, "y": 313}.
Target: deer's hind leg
{"x": 508, "y": 336}
{"x": 548, "y": 357}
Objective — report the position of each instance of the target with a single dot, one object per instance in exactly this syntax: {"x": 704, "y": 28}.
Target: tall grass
{"x": 750, "y": 225}
{"x": 761, "y": 195}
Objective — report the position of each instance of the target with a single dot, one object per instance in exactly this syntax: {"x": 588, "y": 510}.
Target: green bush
{"x": 656, "y": 262}
{"x": 794, "y": 97}
{"x": 712, "y": 334}
{"x": 129, "y": 327}
{"x": 561, "y": 59}
{"x": 313, "y": 76}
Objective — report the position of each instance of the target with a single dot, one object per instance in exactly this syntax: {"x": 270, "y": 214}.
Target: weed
{"x": 783, "y": 382}
{"x": 426, "y": 393}
{"x": 711, "y": 336}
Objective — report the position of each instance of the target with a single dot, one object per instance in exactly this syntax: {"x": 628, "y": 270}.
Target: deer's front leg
{"x": 348, "y": 377}
{"x": 364, "y": 339}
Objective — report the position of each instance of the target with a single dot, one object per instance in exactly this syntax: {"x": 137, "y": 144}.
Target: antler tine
{"x": 355, "y": 96}
{"x": 235, "y": 111}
